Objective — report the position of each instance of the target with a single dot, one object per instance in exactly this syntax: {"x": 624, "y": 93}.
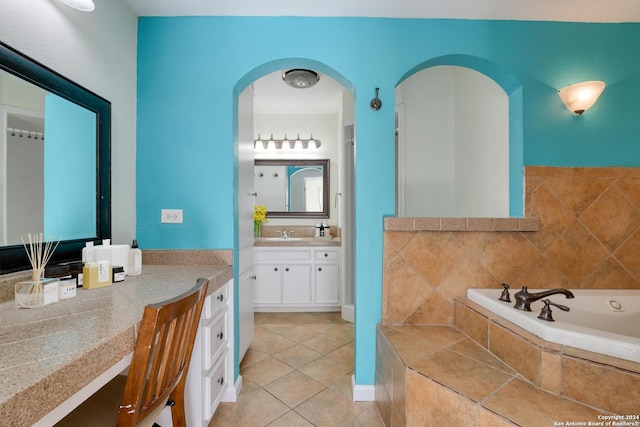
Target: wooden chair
{"x": 158, "y": 370}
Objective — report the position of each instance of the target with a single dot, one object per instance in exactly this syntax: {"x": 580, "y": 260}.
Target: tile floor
{"x": 297, "y": 372}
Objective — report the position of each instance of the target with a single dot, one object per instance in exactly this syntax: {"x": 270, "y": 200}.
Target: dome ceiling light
{"x": 83, "y": 5}
{"x": 300, "y": 78}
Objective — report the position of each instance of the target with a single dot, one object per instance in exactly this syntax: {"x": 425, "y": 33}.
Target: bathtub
{"x": 601, "y": 321}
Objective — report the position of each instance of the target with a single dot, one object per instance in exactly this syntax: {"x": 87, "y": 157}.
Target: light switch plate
{"x": 171, "y": 216}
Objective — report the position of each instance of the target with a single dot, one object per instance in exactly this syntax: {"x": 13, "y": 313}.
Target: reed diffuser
{"x": 38, "y": 291}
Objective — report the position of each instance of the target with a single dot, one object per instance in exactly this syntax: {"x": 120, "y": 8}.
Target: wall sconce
{"x": 279, "y": 144}
{"x": 580, "y": 97}
{"x": 83, "y": 5}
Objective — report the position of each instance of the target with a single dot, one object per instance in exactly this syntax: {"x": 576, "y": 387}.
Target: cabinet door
{"x": 327, "y": 289}
{"x": 267, "y": 290}
{"x": 296, "y": 284}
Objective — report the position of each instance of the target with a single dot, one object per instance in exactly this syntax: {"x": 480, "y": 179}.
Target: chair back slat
{"x": 161, "y": 355}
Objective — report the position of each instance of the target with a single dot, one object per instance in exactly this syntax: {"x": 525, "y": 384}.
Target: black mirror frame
{"x": 14, "y": 258}
{"x": 325, "y": 186}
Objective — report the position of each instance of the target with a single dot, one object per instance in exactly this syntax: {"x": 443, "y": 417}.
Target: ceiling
{"x": 536, "y": 10}
{"x": 273, "y": 96}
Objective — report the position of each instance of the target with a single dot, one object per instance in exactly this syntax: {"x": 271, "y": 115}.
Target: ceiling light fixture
{"x": 580, "y": 97}
{"x": 278, "y": 144}
{"x": 300, "y": 78}
{"x": 83, "y": 5}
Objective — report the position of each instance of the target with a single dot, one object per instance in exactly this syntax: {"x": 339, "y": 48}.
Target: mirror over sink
{"x": 293, "y": 188}
{"x": 55, "y": 163}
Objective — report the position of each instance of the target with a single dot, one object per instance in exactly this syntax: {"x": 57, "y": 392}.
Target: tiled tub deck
{"x": 485, "y": 371}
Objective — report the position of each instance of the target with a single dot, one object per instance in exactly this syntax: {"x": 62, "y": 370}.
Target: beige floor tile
{"x": 291, "y": 419}
{"x": 343, "y": 386}
{"x": 324, "y": 344}
{"x": 272, "y": 344}
{"x": 252, "y": 356}
{"x": 326, "y": 370}
{"x": 298, "y": 356}
{"x": 302, "y": 361}
{"x": 266, "y": 371}
{"x": 256, "y": 409}
{"x": 294, "y": 388}
{"x": 300, "y": 333}
{"x": 344, "y": 354}
{"x": 329, "y": 409}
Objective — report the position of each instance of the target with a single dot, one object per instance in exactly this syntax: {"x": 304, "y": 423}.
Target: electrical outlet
{"x": 171, "y": 216}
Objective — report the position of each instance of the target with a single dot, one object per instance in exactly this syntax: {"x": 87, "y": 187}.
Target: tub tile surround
{"x": 582, "y": 230}
{"x": 457, "y": 382}
{"x": 603, "y": 382}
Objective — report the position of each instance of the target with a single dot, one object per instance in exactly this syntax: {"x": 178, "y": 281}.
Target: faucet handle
{"x": 545, "y": 313}
{"x": 291, "y": 232}
{"x": 505, "y": 293}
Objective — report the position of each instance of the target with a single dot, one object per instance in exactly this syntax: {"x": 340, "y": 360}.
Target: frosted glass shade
{"x": 580, "y": 97}
{"x": 83, "y": 5}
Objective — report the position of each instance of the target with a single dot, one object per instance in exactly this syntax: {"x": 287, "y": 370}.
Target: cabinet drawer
{"x": 215, "y": 303}
{"x": 287, "y": 255}
{"x": 326, "y": 255}
{"x": 214, "y": 384}
{"x": 215, "y": 339}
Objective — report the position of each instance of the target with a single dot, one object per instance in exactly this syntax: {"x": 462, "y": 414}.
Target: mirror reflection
{"x": 293, "y": 188}
{"x": 56, "y": 177}
{"x": 48, "y": 175}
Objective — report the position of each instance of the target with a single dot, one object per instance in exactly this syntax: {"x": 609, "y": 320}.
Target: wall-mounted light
{"x": 83, "y": 5}
{"x": 580, "y": 97}
{"x": 279, "y": 144}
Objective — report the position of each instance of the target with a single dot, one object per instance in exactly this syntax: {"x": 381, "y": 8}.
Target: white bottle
{"x": 88, "y": 253}
{"x": 134, "y": 267}
{"x": 317, "y": 229}
{"x": 326, "y": 231}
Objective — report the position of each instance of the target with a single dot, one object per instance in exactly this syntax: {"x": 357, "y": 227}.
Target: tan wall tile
{"x": 516, "y": 352}
{"x": 551, "y": 372}
{"x": 430, "y": 404}
{"x": 602, "y": 387}
{"x": 473, "y": 324}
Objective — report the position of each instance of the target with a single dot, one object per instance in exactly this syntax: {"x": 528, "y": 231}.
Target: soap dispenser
{"x": 134, "y": 264}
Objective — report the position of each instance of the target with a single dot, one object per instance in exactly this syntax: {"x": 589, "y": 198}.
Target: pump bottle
{"x": 134, "y": 263}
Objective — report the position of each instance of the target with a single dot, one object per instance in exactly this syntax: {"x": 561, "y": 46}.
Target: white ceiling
{"x": 537, "y": 10}
{"x": 273, "y": 96}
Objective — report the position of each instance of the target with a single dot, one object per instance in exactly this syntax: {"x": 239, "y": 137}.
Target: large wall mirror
{"x": 54, "y": 161}
{"x": 293, "y": 188}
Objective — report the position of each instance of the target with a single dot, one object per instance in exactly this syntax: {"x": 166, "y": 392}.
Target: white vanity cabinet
{"x": 297, "y": 278}
{"x": 210, "y": 376}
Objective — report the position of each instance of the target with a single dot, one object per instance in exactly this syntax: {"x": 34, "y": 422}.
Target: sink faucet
{"x": 524, "y": 298}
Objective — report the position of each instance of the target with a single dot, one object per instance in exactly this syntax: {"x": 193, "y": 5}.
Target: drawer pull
{"x": 220, "y": 335}
{"x": 220, "y": 297}
{"x": 286, "y": 269}
{"x": 319, "y": 268}
{"x": 275, "y": 269}
{"x": 254, "y": 277}
{"x": 221, "y": 380}
{"x": 326, "y": 255}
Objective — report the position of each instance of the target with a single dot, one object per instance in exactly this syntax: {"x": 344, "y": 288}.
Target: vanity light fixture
{"x": 579, "y": 97}
{"x": 83, "y": 5}
{"x": 279, "y": 144}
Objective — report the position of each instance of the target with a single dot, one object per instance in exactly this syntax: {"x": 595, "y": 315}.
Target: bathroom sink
{"x": 281, "y": 239}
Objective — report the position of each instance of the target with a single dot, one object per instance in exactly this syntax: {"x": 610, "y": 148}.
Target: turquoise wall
{"x": 190, "y": 70}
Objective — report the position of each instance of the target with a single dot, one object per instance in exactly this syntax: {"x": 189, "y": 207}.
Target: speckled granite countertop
{"x": 48, "y": 354}
{"x": 305, "y": 241}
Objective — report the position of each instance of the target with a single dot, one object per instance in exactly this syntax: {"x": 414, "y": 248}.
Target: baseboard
{"x": 232, "y": 392}
{"x": 362, "y": 393}
{"x": 348, "y": 313}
